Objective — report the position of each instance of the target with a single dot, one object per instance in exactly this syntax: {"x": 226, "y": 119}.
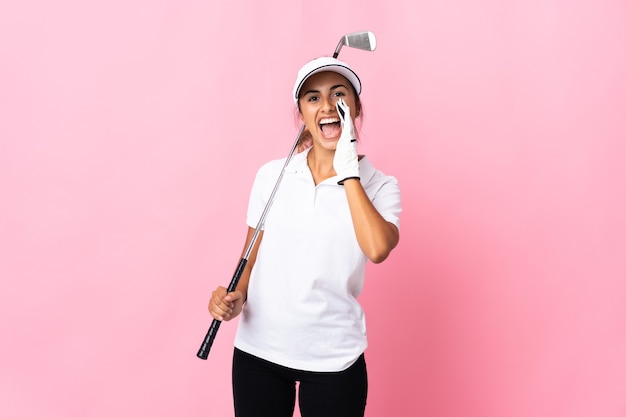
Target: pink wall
{"x": 130, "y": 132}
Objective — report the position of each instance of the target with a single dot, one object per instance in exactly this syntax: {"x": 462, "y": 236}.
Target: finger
{"x": 345, "y": 106}
{"x": 219, "y": 292}
{"x": 233, "y": 296}
{"x": 341, "y": 109}
{"x": 224, "y": 305}
{"x": 221, "y": 312}
{"x": 219, "y": 307}
{"x": 221, "y": 302}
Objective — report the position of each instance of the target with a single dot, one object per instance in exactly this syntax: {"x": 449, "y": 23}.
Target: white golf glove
{"x": 346, "y": 161}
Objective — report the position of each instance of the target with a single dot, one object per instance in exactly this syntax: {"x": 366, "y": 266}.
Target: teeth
{"x": 329, "y": 120}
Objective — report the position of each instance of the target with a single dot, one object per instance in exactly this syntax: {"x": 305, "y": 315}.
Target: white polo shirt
{"x": 302, "y": 310}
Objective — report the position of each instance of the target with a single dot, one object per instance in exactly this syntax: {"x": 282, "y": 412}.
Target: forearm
{"x": 242, "y": 285}
{"x": 376, "y": 236}
{"x": 244, "y": 280}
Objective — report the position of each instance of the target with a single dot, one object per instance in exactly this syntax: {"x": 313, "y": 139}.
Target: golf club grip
{"x": 205, "y": 348}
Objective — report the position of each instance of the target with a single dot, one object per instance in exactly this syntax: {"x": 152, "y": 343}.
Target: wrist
{"x": 348, "y": 179}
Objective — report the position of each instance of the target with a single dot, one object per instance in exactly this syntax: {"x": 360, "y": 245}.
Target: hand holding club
{"x": 224, "y": 305}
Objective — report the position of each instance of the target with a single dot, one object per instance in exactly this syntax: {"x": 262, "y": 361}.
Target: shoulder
{"x": 273, "y": 168}
{"x": 270, "y": 169}
{"x": 373, "y": 178}
{"x": 273, "y": 165}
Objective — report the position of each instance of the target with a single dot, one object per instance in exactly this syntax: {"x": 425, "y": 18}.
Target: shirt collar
{"x": 299, "y": 165}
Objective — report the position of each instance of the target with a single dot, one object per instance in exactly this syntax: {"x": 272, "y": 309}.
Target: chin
{"x": 322, "y": 139}
{"x": 328, "y": 143}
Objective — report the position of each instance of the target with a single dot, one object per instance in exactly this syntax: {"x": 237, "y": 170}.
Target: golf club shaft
{"x": 205, "y": 347}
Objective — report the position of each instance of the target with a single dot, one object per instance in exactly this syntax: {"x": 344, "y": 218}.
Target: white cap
{"x": 325, "y": 64}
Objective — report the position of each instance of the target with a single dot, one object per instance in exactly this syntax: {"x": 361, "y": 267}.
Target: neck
{"x": 321, "y": 164}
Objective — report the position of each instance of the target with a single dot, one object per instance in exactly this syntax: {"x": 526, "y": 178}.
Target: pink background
{"x": 130, "y": 132}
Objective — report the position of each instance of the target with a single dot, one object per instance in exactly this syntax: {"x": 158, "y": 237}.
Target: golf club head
{"x": 365, "y": 41}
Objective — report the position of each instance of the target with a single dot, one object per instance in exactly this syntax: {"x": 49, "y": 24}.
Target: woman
{"x": 332, "y": 212}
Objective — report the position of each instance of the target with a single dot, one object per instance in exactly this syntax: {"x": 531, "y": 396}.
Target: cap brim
{"x": 340, "y": 69}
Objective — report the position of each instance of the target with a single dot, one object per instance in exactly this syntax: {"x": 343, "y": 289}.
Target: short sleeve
{"x": 264, "y": 182}
{"x": 386, "y": 199}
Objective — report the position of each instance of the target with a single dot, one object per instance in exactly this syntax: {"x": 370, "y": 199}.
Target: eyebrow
{"x": 334, "y": 87}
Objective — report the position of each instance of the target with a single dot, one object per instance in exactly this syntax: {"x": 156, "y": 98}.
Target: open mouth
{"x": 330, "y": 127}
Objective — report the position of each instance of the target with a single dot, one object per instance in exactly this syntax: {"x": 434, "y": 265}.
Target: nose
{"x": 329, "y": 104}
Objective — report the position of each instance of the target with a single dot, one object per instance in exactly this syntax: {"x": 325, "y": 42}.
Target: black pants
{"x": 264, "y": 389}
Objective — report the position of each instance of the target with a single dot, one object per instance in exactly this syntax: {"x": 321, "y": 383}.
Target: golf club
{"x": 360, "y": 40}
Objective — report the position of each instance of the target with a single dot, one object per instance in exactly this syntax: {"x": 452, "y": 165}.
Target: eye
{"x": 312, "y": 98}
{"x": 339, "y": 94}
